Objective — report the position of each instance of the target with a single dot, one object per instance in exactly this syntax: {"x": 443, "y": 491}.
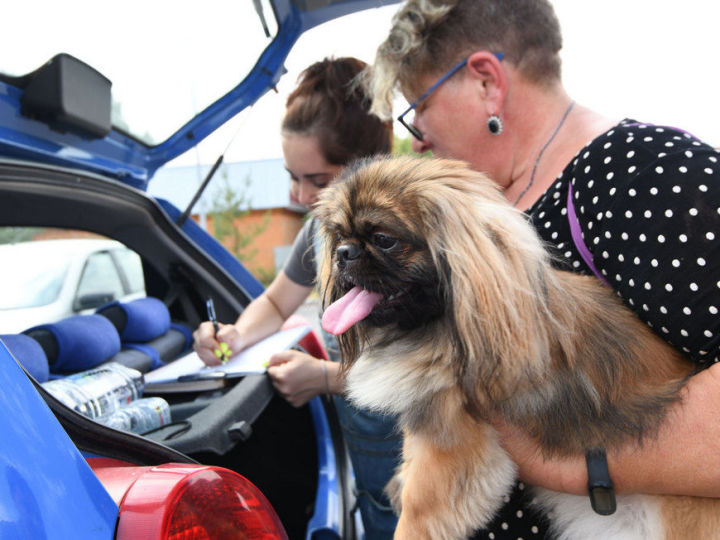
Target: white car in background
{"x": 47, "y": 280}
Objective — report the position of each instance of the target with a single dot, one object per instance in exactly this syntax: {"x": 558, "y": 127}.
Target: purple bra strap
{"x": 577, "y": 237}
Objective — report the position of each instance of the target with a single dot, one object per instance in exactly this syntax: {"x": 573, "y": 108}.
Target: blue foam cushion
{"x": 185, "y": 331}
{"x": 150, "y": 352}
{"x": 29, "y": 353}
{"x": 83, "y": 342}
{"x": 146, "y": 319}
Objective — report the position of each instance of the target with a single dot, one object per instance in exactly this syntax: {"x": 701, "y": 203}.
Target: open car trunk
{"x": 245, "y": 426}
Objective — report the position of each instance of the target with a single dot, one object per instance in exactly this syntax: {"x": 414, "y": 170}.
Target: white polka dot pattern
{"x": 648, "y": 203}
{"x": 518, "y": 520}
{"x": 650, "y": 215}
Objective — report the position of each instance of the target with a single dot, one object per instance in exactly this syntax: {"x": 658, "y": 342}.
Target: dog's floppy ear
{"x": 334, "y": 205}
{"x": 324, "y": 250}
{"x": 491, "y": 290}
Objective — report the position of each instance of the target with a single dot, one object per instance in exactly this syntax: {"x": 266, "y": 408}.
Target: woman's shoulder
{"x": 308, "y": 229}
{"x": 632, "y": 139}
{"x": 632, "y": 152}
{"x": 647, "y": 199}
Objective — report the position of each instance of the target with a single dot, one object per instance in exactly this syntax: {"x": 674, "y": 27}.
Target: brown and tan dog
{"x": 449, "y": 312}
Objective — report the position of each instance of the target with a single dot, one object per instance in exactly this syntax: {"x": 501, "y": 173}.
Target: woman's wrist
{"x": 323, "y": 365}
{"x": 333, "y": 384}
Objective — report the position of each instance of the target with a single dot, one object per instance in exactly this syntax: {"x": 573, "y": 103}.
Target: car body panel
{"x": 55, "y": 178}
{"x": 328, "y": 505}
{"x": 128, "y": 160}
{"x": 48, "y": 490}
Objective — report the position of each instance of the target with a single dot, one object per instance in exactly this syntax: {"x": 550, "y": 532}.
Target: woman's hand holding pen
{"x": 207, "y": 341}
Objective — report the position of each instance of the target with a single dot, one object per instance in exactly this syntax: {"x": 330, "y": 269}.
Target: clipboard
{"x": 190, "y": 374}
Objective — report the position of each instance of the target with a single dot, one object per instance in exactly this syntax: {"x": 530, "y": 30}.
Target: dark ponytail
{"x": 329, "y": 104}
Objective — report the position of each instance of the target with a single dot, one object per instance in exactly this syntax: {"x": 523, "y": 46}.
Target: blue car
{"x": 77, "y": 154}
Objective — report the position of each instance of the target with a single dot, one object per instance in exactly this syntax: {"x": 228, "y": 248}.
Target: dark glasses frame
{"x": 414, "y": 131}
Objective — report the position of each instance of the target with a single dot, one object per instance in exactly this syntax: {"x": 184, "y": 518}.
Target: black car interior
{"x": 245, "y": 427}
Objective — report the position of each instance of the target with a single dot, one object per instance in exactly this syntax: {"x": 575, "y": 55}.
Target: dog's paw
{"x": 394, "y": 491}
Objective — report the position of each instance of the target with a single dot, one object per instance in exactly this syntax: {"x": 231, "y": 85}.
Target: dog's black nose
{"x": 348, "y": 252}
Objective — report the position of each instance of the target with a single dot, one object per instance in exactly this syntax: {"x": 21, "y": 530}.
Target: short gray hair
{"x": 428, "y": 36}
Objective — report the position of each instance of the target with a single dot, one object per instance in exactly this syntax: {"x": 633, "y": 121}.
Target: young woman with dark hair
{"x": 327, "y": 124}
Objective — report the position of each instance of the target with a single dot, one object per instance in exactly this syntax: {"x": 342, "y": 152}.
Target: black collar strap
{"x": 600, "y": 487}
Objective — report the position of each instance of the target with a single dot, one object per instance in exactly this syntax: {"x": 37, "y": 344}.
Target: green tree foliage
{"x": 228, "y": 207}
{"x": 13, "y": 235}
{"x": 403, "y": 147}
{"x": 118, "y": 120}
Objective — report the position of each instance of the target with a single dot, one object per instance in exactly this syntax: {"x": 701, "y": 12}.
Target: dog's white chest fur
{"x": 385, "y": 382}
{"x": 385, "y": 386}
{"x": 638, "y": 517}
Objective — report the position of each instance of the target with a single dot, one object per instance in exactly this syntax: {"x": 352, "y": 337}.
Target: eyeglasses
{"x": 409, "y": 122}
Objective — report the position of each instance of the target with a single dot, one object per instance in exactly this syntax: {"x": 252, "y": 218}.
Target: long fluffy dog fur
{"x": 475, "y": 322}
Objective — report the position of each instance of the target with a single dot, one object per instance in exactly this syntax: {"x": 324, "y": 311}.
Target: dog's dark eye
{"x": 383, "y": 241}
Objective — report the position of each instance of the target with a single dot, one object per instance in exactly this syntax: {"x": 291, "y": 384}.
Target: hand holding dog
{"x": 688, "y": 440}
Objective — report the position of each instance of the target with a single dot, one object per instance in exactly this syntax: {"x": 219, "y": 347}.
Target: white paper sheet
{"x": 251, "y": 360}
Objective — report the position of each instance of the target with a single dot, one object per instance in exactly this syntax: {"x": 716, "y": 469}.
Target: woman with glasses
{"x": 634, "y": 203}
{"x": 327, "y": 125}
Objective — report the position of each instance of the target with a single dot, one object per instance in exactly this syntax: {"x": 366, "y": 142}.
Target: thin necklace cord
{"x": 542, "y": 151}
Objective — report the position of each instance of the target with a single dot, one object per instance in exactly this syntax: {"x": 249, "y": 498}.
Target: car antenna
{"x": 183, "y": 217}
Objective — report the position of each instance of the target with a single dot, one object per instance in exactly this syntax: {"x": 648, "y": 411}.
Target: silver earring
{"x": 495, "y": 125}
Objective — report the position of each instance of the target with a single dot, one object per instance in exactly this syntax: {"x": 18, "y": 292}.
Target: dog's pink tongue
{"x": 351, "y": 308}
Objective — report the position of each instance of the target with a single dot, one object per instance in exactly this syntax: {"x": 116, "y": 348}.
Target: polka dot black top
{"x": 647, "y": 200}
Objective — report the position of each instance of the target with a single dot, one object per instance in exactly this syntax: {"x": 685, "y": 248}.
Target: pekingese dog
{"x": 448, "y": 313}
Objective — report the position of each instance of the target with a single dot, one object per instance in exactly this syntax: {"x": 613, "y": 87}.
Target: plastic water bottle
{"x": 98, "y": 392}
{"x": 141, "y": 415}
{"x": 71, "y": 395}
{"x": 133, "y": 382}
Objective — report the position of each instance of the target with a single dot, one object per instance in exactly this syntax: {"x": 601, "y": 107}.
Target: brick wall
{"x": 58, "y": 234}
{"x": 282, "y": 228}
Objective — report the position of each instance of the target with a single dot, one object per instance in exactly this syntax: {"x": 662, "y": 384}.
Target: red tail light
{"x": 187, "y": 502}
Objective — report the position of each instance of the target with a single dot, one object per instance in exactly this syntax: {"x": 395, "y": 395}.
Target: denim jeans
{"x": 374, "y": 446}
